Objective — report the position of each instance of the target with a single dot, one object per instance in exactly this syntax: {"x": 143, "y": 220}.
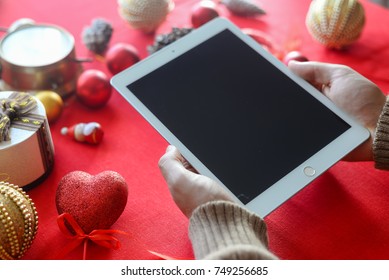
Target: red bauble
{"x": 93, "y": 88}
{"x": 120, "y": 57}
{"x": 294, "y": 55}
{"x": 203, "y": 12}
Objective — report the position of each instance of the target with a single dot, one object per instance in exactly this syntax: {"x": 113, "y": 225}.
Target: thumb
{"x": 170, "y": 160}
{"x": 316, "y": 73}
{"x": 171, "y": 165}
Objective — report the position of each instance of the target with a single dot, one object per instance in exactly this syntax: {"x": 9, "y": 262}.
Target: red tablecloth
{"x": 342, "y": 215}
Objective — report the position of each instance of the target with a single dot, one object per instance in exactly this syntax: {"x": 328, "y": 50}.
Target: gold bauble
{"x": 18, "y": 221}
{"x": 52, "y": 102}
{"x": 145, "y": 15}
{"x": 335, "y": 23}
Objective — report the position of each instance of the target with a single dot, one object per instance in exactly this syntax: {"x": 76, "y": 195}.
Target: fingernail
{"x": 169, "y": 148}
{"x": 291, "y": 62}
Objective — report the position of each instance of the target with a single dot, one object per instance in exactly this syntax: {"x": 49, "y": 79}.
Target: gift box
{"x": 26, "y": 146}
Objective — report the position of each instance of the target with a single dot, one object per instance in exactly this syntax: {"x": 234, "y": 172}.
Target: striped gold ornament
{"x": 335, "y": 23}
{"x": 18, "y": 221}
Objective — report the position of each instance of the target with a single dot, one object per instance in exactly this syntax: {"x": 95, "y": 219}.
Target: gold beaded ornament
{"x": 18, "y": 221}
{"x": 335, "y": 23}
{"x": 145, "y": 15}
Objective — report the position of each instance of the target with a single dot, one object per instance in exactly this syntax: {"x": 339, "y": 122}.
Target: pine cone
{"x": 97, "y": 36}
{"x": 245, "y": 8}
{"x": 163, "y": 40}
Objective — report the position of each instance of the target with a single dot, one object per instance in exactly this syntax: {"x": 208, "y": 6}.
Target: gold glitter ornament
{"x": 145, "y": 15}
{"x": 335, "y": 23}
{"x": 18, "y": 221}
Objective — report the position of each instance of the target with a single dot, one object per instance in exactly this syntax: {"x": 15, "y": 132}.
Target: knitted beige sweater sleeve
{"x": 381, "y": 140}
{"x": 224, "y": 230}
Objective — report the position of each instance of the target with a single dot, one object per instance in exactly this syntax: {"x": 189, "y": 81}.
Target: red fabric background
{"x": 342, "y": 215}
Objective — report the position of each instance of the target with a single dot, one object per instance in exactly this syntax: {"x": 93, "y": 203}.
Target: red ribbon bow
{"x": 102, "y": 237}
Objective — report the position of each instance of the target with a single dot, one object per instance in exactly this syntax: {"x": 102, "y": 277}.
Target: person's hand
{"x": 351, "y": 92}
{"x": 189, "y": 189}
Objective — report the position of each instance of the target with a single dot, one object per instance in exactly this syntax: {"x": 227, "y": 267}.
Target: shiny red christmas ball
{"x": 93, "y": 88}
{"x": 203, "y": 12}
{"x": 120, "y": 57}
{"x": 294, "y": 55}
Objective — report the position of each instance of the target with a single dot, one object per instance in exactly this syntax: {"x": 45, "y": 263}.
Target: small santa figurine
{"x": 91, "y": 133}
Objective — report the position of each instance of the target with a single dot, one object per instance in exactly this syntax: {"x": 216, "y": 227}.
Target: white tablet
{"x": 239, "y": 115}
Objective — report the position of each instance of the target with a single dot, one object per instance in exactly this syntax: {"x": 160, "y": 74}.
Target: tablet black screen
{"x": 245, "y": 120}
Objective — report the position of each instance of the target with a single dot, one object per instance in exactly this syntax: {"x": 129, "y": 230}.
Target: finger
{"x": 326, "y": 90}
{"x": 316, "y": 73}
{"x": 171, "y": 148}
{"x": 175, "y": 152}
{"x": 171, "y": 165}
{"x": 171, "y": 159}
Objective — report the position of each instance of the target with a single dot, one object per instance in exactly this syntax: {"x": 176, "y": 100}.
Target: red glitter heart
{"x": 95, "y": 202}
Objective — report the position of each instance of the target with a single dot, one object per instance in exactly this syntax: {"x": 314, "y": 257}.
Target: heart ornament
{"x": 95, "y": 202}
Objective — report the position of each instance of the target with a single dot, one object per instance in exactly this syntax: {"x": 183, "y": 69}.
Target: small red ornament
{"x": 203, "y": 12}
{"x": 93, "y": 88}
{"x": 85, "y": 132}
{"x": 294, "y": 55}
{"x": 120, "y": 57}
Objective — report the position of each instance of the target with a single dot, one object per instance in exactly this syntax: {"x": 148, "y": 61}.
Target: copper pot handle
{"x": 82, "y": 60}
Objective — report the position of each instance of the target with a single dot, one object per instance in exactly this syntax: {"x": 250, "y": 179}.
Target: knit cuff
{"x": 224, "y": 230}
{"x": 381, "y": 139}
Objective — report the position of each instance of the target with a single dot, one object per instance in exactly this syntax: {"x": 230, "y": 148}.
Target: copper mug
{"x": 39, "y": 57}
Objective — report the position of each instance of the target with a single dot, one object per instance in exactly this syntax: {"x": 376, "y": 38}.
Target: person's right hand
{"x": 350, "y": 91}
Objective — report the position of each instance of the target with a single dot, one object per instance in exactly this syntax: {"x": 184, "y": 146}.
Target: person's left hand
{"x": 188, "y": 188}
{"x": 350, "y": 91}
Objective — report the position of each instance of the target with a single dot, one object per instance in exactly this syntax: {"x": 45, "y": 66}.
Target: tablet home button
{"x": 309, "y": 171}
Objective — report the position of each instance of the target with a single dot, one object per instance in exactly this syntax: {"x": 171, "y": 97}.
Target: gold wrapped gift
{"x": 26, "y": 147}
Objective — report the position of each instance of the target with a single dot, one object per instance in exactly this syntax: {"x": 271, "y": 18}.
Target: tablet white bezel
{"x": 290, "y": 184}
